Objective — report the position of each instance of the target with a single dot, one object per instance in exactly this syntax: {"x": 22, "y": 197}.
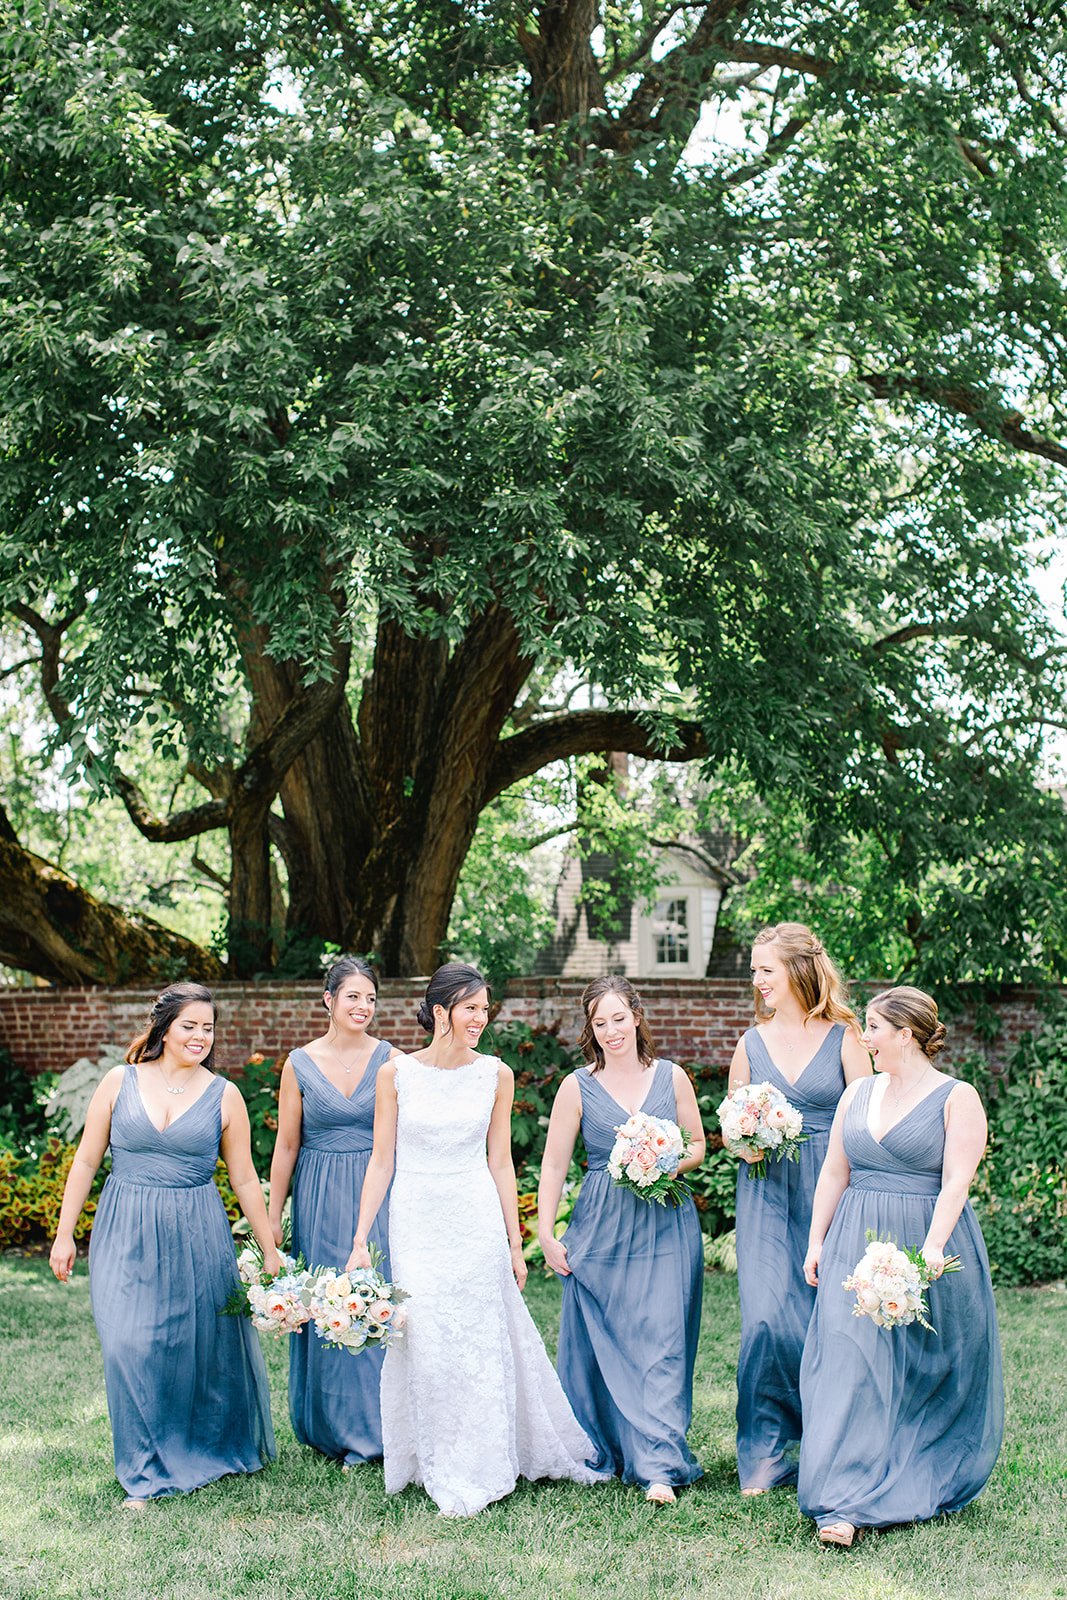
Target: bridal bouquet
{"x": 354, "y": 1310}
{"x": 758, "y": 1117}
{"x": 645, "y": 1157}
{"x": 888, "y": 1283}
{"x": 276, "y": 1305}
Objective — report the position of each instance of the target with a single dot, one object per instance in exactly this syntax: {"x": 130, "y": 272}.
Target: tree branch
{"x": 776, "y": 146}
{"x": 679, "y": 75}
{"x": 990, "y": 418}
{"x": 583, "y": 733}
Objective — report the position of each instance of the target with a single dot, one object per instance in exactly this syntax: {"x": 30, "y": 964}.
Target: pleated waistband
{"x": 157, "y": 1183}
{"x": 916, "y": 1183}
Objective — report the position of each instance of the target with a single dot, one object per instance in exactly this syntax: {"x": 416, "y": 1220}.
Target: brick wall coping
{"x": 692, "y": 1019}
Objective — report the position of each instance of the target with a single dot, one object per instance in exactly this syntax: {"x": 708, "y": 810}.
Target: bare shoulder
{"x": 962, "y": 1097}
{"x": 505, "y": 1078}
{"x": 852, "y": 1090}
{"x": 569, "y": 1093}
{"x": 231, "y": 1094}
{"x": 110, "y": 1084}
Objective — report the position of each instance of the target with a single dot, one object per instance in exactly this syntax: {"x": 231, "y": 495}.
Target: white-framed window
{"x": 670, "y": 933}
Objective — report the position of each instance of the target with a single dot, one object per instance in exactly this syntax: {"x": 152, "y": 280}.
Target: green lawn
{"x": 302, "y": 1528}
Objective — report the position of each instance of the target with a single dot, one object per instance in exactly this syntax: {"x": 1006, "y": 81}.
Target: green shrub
{"x": 259, "y": 1081}
{"x": 540, "y": 1062}
{"x": 68, "y": 1104}
{"x": 23, "y": 1127}
{"x": 1020, "y": 1193}
{"x": 31, "y": 1193}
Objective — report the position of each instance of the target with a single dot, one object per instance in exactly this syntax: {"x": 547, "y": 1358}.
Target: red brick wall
{"x": 695, "y": 1019}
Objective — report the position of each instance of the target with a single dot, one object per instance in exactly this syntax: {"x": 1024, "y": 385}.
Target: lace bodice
{"x": 443, "y": 1114}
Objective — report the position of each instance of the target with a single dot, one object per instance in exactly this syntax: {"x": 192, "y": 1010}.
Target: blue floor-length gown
{"x": 334, "y": 1399}
{"x": 901, "y": 1424}
{"x": 186, "y": 1387}
{"x": 773, "y": 1217}
{"x": 631, "y": 1306}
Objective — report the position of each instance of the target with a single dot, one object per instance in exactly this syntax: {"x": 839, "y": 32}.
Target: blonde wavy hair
{"x": 813, "y": 977}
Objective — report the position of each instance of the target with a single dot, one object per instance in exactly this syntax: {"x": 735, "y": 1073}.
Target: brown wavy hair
{"x": 592, "y": 995}
{"x": 813, "y": 977}
{"x": 166, "y": 1007}
{"x": 905, "y": 1007}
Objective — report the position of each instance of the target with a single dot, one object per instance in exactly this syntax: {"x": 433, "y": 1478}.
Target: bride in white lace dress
{"x": 470, "y": 1400}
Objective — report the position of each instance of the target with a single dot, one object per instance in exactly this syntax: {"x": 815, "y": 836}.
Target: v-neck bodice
{"x": 180, "y": 1156}
{"x": 910, "y": 1156}
{"x": 332, "y": 1120}
{"x": 819, "y": 1086}
{"x": 602, "y": 1114}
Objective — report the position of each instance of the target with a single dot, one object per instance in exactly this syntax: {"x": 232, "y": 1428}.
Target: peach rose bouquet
{"x": 274, "y": 1304}
{"x": 756, "y": 1118}
{"x": 355, "y": 1310}
{"x": 888, "y": 1283}
{"x": 645, "y": 1157}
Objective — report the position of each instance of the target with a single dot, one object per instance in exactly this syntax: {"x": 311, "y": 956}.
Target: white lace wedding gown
{"x": 470, "y": 1400}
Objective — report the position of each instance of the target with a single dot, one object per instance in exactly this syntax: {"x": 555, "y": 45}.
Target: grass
{"x": 301, "y": 1528}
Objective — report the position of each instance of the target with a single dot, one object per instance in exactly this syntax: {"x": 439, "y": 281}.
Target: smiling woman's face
{"x": 614, "y": 1026}
{"x": 190, "y": 1036}
{"x": 883, "y": 1040}
{"x": 469, "y": 1017}
{"x": 770, "y": 975}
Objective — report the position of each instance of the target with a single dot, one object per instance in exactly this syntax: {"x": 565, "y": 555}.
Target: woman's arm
{"x": 286, "y": 1145}
{"x": 688, "y": 1112}
{"x": 503, "y": 1168}
{"x": 379, "y": 1174}
{"x": 855, "y": 1059}
{"x": 563, "y": 1127}
{"x": 236, "y": 1151}
{"x": 965, "y": 1142}
{"x": 833, "y": 1181}
{"x": 83, "y": 1169}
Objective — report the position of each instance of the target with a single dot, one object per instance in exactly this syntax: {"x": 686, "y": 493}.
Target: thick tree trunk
{"x": 431, "y": 725}
{"x": 565, "y": 81}
{"x": 53, "y": 928}
{"x": 288, "y": 716}
{"x": 378, "y": 822}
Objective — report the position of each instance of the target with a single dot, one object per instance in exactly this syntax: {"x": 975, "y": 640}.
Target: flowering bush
{"x": 31, "y": 1192}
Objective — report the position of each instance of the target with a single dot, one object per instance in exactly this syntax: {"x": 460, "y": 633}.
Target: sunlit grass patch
{"x": 303, "y": 1528}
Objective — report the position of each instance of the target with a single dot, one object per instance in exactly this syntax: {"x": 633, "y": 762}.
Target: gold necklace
{"x": 344, "y": 1064}
{"x": 898, "y": 1099}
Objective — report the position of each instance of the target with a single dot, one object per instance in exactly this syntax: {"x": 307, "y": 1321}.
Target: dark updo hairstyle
{"x": 592, "y": 995}
{"x": 450, "y": 984}
{"x": 348, "y": 967}
{"x": 904, "y": 1007}
{"x": 166, "y": 1007}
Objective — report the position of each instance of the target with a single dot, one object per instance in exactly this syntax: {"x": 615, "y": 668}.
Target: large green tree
{"x": 368, "y": 372}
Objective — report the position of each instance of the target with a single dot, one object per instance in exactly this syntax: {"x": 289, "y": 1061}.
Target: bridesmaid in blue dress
{"x": 186, "y": 1388}
{"x": 806, "y": 1044}
{"x": 633, "y": 1271}
{"x": 325, "y": 1133}
{"x": 900, "y": 1424}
